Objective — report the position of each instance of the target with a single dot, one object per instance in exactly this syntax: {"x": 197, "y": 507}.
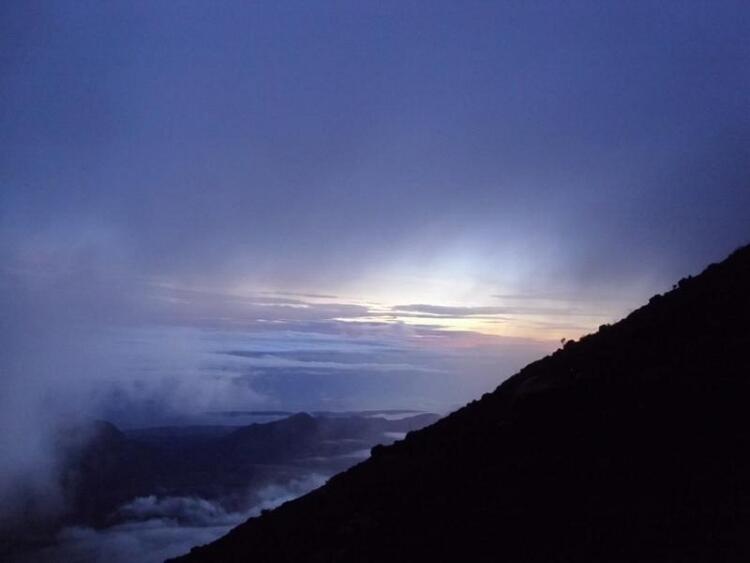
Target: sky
{"x": 343, "y": 205}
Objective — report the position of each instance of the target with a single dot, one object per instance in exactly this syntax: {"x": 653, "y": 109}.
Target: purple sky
{"x": 348, "y": 204}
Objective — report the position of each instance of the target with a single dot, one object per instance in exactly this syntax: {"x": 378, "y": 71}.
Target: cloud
{"x": 84, "y": 344}
{"x": 444, "y": 311}
{"x": 156, "y": 528}
{"x": 506, "y": 313}
{"x": 273, "y": 361}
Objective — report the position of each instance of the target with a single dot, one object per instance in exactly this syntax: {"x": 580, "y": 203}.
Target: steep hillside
{"x": 630, "y": 444}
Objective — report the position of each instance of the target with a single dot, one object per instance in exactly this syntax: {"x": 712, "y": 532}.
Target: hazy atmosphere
{"x": 341, "y": 206}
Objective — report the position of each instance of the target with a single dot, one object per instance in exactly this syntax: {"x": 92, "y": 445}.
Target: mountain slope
{"x": 630, "y": 444}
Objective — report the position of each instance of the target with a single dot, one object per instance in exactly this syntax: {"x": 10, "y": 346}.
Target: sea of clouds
{"x": 156, "y": 528}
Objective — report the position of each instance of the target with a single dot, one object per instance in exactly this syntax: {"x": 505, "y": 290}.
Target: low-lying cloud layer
{"x": 155, "y": 529}
{"x": 172, "y": 364}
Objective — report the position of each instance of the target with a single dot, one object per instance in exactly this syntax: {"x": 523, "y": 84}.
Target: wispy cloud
{"x": 444, "y": 311}
{"x": 542, "y": 319}
{"x": 266, "y": 361}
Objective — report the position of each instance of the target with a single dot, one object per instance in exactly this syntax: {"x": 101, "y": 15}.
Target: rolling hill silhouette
{"x": 630, "y": 444}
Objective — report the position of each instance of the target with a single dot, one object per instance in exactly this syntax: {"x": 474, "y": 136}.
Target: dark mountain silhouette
{"x": 106, "y": 468}
{"x": 213, "y": 462}
{"x": 631, "y": 444}
{"x": 303, "y": 435}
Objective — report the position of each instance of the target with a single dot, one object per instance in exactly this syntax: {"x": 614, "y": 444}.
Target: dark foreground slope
{"x": 632, "y": 444}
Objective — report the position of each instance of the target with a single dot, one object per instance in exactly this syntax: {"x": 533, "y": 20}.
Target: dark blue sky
{"x": 458, "y": 183}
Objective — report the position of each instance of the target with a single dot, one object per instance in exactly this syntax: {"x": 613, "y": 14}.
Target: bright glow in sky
{"x": 446, "y": 184}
